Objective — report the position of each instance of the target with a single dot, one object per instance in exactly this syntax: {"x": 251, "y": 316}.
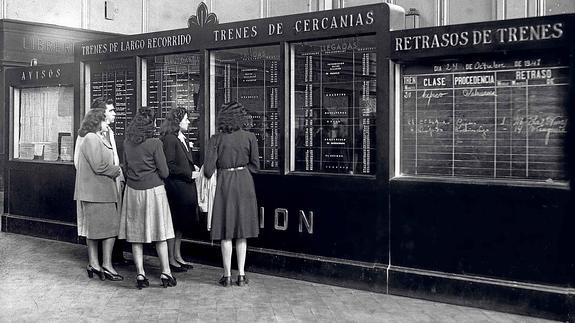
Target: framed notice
{"x": 114, "y": 80}
{"x": 502, "y": 118}
{"x": 250, "y": 77}
{"x": 174, "y": 81}
{"x": 41, "y": 115}
{"x": 334, "y": 106}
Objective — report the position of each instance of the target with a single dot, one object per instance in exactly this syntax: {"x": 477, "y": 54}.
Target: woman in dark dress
{"x": 180, "y": 184}
{"x": 234, "y": 153}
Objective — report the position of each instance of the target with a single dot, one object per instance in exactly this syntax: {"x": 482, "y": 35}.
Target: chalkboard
{"x": 335, "y": 95}
{"x": 499, "y": 118}
{"x": 250, "y": 76}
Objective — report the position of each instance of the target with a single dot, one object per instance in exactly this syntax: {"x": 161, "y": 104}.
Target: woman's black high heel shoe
{"x": 187, "y": 266}
{"x": 111, "y": 276}
{"x": 242, "y": 280}
{"x": 175, "y": 269}
{"x": 225, "y": 281}
{"x": 168, "y": 280}
{"x": 142, "y": 283}
{"x": 91, "y": 271}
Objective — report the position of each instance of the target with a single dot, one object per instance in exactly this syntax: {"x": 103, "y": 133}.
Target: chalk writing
{"x": 432, "y": 95}
{"x": 489, "y": 119}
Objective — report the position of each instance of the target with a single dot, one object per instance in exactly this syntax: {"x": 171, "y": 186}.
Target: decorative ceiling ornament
{"x": 202, "y": 17}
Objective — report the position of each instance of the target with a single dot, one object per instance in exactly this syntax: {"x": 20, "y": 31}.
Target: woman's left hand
{"x": 196, "y": 172}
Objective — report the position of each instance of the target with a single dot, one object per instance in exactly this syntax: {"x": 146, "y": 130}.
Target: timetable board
{"x": 502, "y": 118}
{"x": 335, "y": 105}
{"x": 174, "y": 81}
{"x": 250, "y": 77}
{"x": 114, "y": 80}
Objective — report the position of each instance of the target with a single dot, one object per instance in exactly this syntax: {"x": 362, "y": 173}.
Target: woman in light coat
{"x": 96, "y": 193}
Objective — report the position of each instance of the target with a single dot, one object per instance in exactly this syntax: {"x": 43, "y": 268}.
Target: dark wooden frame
{"x": 38, "y": 191}
{"x": 292, "y": 190}
{"x": 466, "y": 240}
{"x": 371, "y": 232}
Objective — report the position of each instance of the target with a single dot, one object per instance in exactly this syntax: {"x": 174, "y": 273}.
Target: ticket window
{"x": 42, "y": 123}
{"x": 333, "y": 106}
{"x": 250, "y": 76}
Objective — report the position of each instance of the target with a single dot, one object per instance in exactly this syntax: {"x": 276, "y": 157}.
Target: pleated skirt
{"x": 97, "y": 220}
{"x": 145, "y": 216}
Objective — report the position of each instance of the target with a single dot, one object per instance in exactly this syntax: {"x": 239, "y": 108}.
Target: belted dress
{"x": 235, "y": 155}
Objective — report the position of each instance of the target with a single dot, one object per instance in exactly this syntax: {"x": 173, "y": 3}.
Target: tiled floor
{"x": 44, "y": 280}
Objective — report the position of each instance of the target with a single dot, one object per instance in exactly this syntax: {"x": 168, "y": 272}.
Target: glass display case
{"x": 174, "y": 81}
{"x": 250, "y": 76}
{"x": 43, "y": 119}
{"x": 114, "y": 80}
{"x": 333, "y": 93}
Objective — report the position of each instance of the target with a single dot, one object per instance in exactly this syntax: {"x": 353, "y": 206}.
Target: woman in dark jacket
{"x": 180, "y": 184}
{"x": 234, "y": 153}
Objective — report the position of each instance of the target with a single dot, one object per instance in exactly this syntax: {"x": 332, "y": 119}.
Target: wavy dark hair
{"x": 232, "y": 116}
{"x": 171, "y": 124}
{"x": 100, "y": 103}
{"x": 142, "y": 126}
{"x": 92, "y": 121}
